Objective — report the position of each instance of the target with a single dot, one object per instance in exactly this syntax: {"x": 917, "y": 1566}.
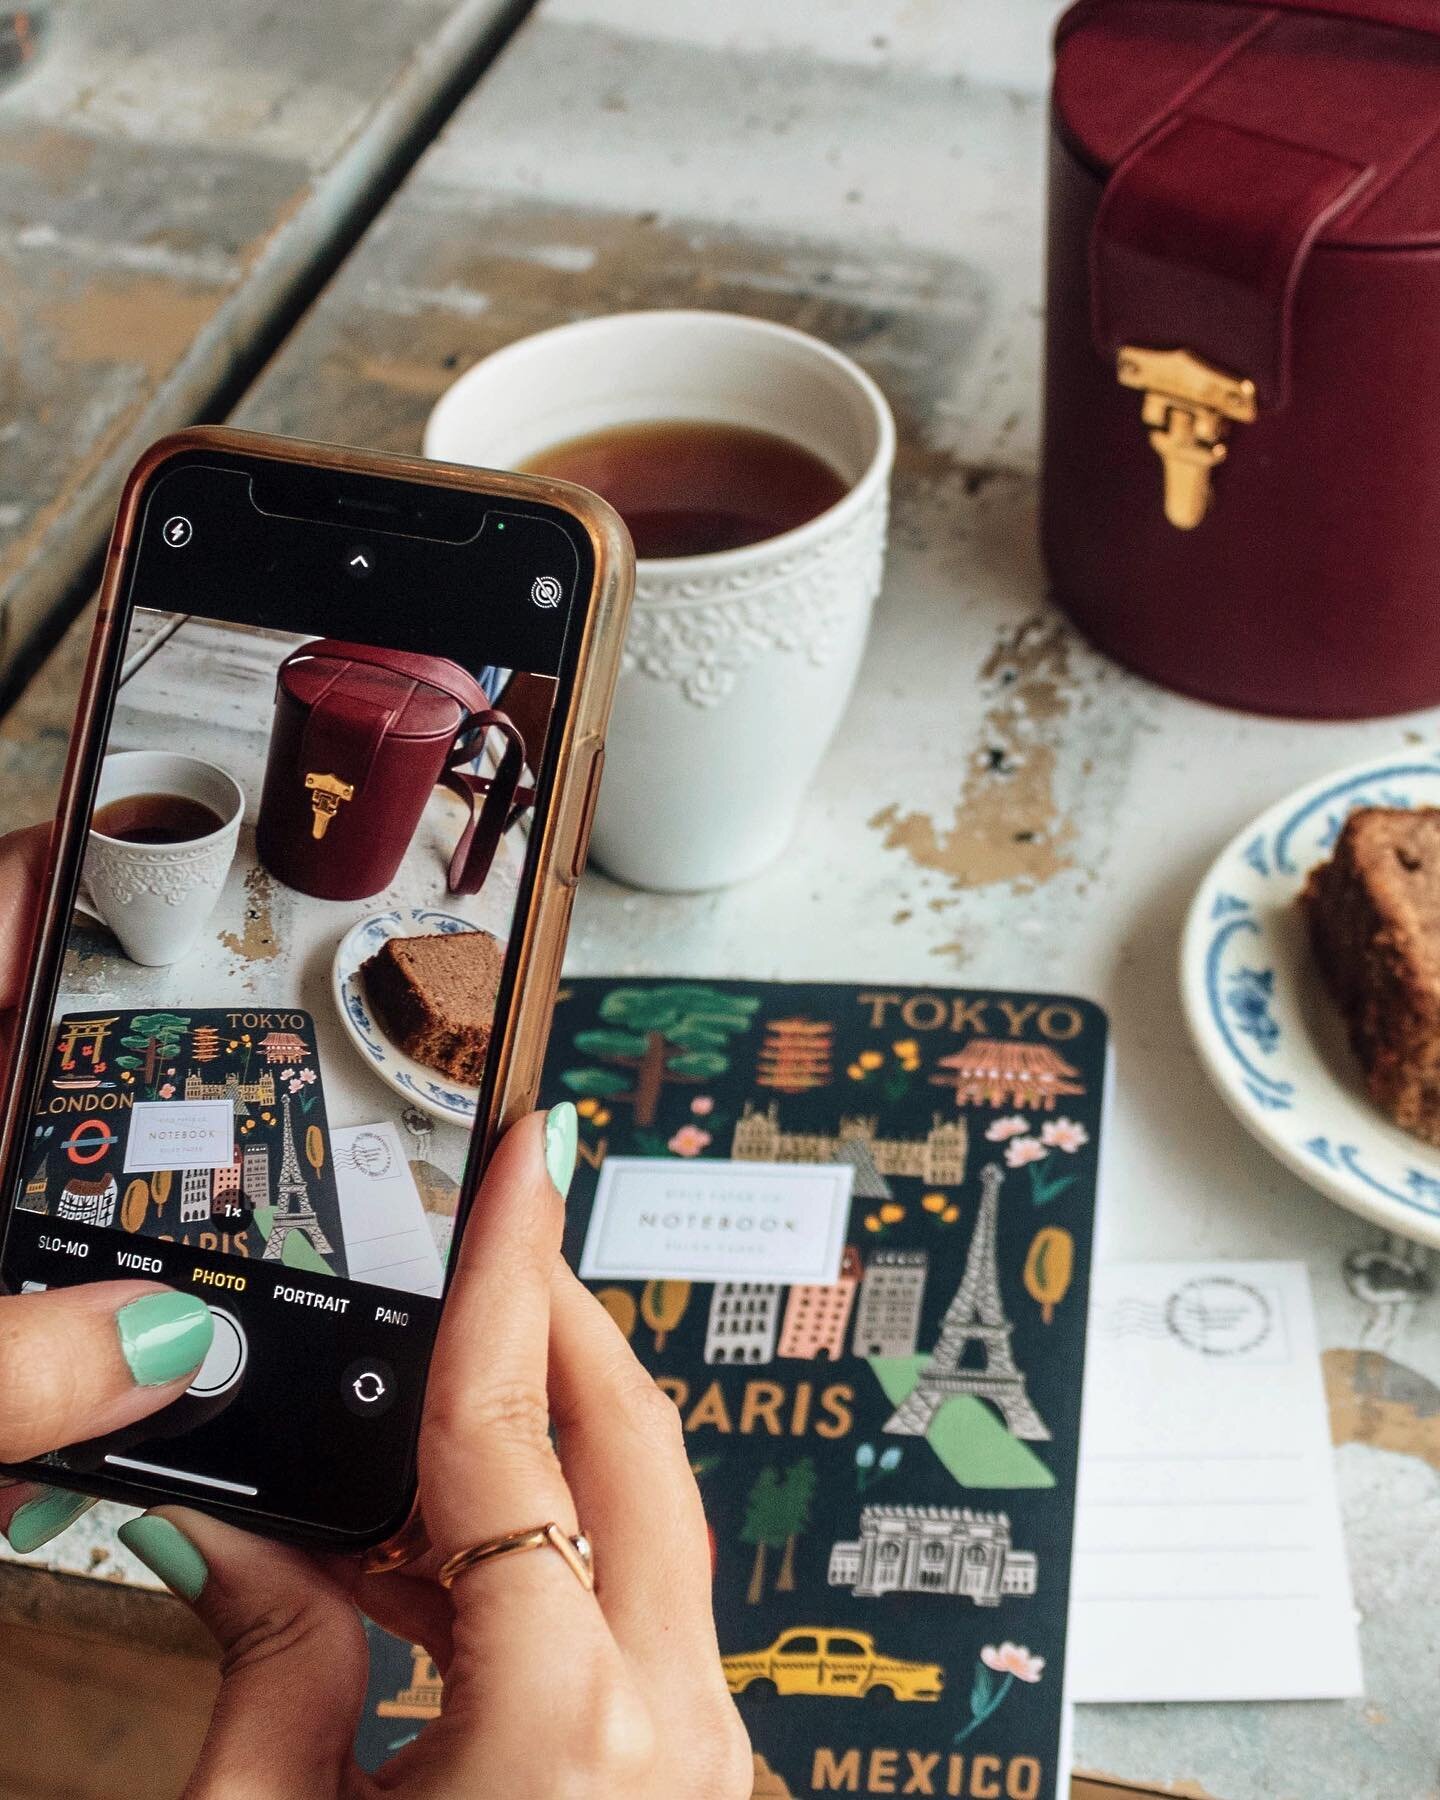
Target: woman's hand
{"x": 22, "y": 867}
{"x": 75, "y": 1362}
{"x": 551, "y": 1692}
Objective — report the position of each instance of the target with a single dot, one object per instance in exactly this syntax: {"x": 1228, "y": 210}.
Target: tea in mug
{"x": 690, "y": 487}
{"x": 155, "y": 819}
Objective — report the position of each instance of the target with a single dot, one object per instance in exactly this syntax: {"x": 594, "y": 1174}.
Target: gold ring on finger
{"x": 575, "y": 1552}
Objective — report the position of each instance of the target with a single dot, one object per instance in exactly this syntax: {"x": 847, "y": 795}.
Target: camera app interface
{"x": 309, "y": 830}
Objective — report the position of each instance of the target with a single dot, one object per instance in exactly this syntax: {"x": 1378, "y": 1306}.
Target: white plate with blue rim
{"x": 1271, "y": 1038}
{"x": 437, "y": 1094}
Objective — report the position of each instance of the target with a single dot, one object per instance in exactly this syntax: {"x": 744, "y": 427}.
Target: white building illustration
{"x": 260, "y": 1092}
{"x": 88, "y": 1202}
{"x": 938, "y": 1158}
{"x": 936, "y": 1550}
{"x": 194, "y": 1196}
{"x": 255, "y": 1179}
{"x": 744, "y": 1318}
{"x": 887, "y": 1320}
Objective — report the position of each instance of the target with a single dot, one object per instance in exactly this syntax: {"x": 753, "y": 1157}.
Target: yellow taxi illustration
{"x": 810, "y": 1660}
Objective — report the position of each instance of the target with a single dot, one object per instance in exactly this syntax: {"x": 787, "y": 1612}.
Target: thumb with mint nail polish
{"x": 76, "y": 1363}
{"x": 562, "y": 1141}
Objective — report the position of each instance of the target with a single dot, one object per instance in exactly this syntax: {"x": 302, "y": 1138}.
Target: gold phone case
{"x": 521, "y": 1029}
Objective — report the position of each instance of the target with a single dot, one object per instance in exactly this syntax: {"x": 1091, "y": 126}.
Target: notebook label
{"x": 660, "y": 1217}
{"x": 180, "y": 1134}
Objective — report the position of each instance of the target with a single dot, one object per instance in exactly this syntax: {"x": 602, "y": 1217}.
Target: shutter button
{"x": 225, "y": 1360}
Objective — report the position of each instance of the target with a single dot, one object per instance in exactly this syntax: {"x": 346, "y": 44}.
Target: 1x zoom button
{"x": 225, "y": 1360}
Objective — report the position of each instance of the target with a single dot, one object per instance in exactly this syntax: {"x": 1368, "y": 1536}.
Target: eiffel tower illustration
{"x": 293, "y": 1211}
{"x": 975, "y": 1314}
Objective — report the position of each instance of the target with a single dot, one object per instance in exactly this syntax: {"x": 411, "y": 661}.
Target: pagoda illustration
{"x": 795, "y": 1055}
{"x": 989, "y": 1073}
{"x": 975, "y": 1315}
{"x": 293, "y": 1211}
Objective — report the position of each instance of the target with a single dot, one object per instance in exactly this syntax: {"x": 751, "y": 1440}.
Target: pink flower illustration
{"x": 167, "y": 1089}
{"x": 1013, "y": 1659}
{"x": 702, "y": 1104}
{"x": 1064, "y": 1134}
{"x": 689, "y": 1140}
{"x": 1022, "y": 1150}
{"x": 1000, "y": 1129}
{"x": 287, "y": 1074}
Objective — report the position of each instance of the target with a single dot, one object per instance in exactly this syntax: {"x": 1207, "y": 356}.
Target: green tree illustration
{"x": 672, "y": 1033}
{"x": 764, "y": 1527}
{"x": 797, "y": 1491}
{"x": 776, "y": 1513}
{"x": 153, "y": 1038}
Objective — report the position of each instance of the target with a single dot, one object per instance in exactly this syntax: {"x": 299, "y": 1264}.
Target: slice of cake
{"x": 1374, "y": 917}
{"x": 435, "y": 996}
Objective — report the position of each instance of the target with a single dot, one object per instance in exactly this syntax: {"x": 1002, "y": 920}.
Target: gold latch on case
{"x": 326, "y": 793}
{"x": 1190, "y": 405}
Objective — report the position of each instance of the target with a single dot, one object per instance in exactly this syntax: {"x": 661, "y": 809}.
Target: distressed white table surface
{"x": 172, "y": 175}
{"x": 1003, "y": 807}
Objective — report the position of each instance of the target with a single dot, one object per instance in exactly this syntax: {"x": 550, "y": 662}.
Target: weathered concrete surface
{"x": 171, "y": 176}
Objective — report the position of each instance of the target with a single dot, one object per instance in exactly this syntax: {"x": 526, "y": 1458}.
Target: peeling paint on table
{"x": 1005, "y": 826}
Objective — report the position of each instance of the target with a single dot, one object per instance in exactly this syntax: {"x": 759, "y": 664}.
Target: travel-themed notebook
{"x": 204, "y": 1125}
{"x": 887, "y": 1453}
{"x": 887, "y": 1446}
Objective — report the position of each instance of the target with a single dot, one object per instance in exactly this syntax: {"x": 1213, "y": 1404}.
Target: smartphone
{"x": 328, "y": 797}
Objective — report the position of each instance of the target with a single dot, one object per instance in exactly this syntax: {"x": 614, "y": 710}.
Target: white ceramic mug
{"x": 157, "y": 897}
{"x": 739, "y": 664}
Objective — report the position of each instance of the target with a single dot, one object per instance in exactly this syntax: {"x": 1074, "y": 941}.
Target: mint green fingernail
{"x": 44, "y": 1517}
{"x": 562, "y": 1141}
{"x": 167, "y": 1552}
{"x": 164, "y": 1336}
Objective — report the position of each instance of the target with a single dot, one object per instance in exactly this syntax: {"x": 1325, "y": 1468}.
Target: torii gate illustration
{"x": 976, "y": 1313}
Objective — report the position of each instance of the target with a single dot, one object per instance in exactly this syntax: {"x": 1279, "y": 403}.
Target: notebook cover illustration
{"x": 887, "y": 1462}
{"x": 272, "y": 1198}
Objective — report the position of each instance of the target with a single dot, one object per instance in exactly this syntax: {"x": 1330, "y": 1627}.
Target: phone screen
{"x": 335, "y": 705}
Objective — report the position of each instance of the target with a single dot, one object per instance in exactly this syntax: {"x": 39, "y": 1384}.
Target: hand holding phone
{"x": 550, "y": 1689}
{"x": 293, "y": 735}
{"x": 81, "y": 1361}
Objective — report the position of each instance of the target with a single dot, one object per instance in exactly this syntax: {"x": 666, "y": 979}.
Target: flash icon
{"x": 177, "y": 532}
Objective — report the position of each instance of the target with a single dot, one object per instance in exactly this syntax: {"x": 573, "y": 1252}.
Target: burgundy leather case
{"x": 1259, "y": 186}
{"x": 360, "y": 739}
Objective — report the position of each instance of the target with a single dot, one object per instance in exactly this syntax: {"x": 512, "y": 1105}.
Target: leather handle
{"x": 1200, "y": 239}
{"x": 495, "y": 801}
